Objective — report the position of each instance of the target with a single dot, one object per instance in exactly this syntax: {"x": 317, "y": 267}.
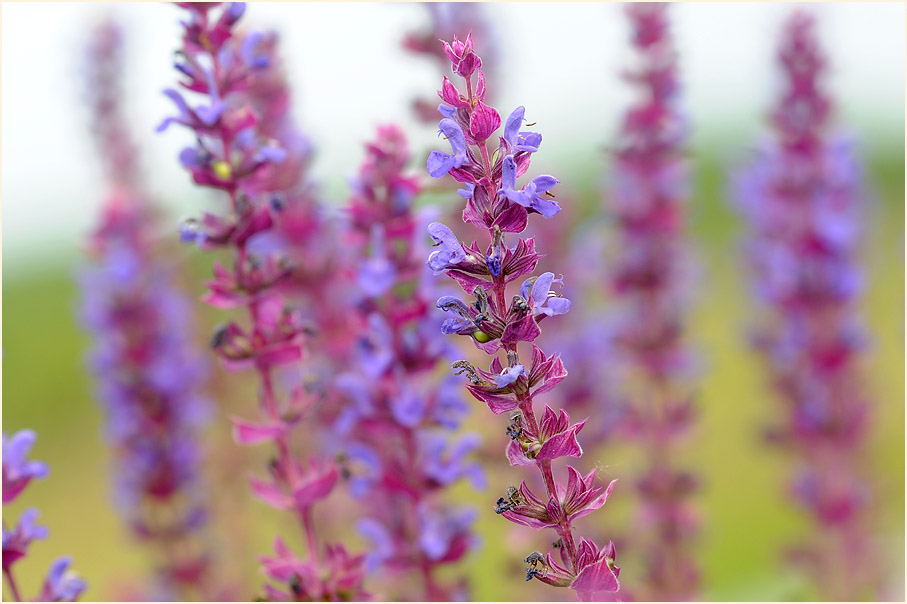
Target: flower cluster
{"x": 647, "y": 278}
{"x": 399, "y": 420}
{"x": 496, "y": 204}
{"x": 802, "y": 202}
{"x": 61, "y": 584}
{"x": 148, "y": 371}
{"x": 446, "y": 19}
{"x": 238, "y": 151}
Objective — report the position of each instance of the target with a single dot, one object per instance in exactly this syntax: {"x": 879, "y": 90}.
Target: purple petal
{"x": 508, "y": 174}
{"x": 454, "y": 134}
{"x": 439, "y": 164}
{"x": 512, "y": 126}
{"x": 509, "y": 376}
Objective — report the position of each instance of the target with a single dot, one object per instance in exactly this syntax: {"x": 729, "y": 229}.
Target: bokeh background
{"x": 350, "y": 74}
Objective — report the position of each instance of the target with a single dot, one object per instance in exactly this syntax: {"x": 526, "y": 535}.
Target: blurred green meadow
{"x": 746, "y": 519}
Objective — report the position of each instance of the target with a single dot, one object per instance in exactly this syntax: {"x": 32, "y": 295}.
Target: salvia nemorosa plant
{"x": 148, "y": 371}
{"x": 445, "y": 20}
{"x": 234, "y": 156}
{"x": 61, "y": 583}
{"x": 498, "y": 321}
{"x": 647, "y": 199}
{"x": 803, "y": 204}
{"x": 402, "y": 420}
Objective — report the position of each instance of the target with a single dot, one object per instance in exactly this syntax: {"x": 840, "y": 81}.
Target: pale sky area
{"x": 560, "y": 60}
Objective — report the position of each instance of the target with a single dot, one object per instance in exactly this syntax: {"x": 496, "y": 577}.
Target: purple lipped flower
{"x": 16, "y": 541}
{"x": 509, "y": 375}
{"x": 450, "y": 252}
{"x": 381, "y": 548}
{"x": 376, "y": 273}
{"x": 544, "y": 300}
{"x": 439, "y": 163}
{"x": 531, "y": 195}
{"x": 62, "y": 584}
{"x": 521, "y": 140}
{"x": 17, "y": 470}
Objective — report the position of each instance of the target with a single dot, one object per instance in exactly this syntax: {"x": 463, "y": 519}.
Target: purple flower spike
{"x": 496, "y": 319}
{"x": 148, "y": 372}
{"x": 804, "y": 205}
{"x": 648, "y": 277}
{"x": 285, "y": 258}
{"x": 399, "y": 418}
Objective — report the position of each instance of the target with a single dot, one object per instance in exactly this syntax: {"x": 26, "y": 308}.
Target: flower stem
{"x": 12, "y": 584}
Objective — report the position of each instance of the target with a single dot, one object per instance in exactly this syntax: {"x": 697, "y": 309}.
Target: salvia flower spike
{"x": 649, "y": 279}
{"x": 233, "y": 154}
{"x": 489, "y": 161}
{"x": 61, "y": 584}
{"x": 401, "y": 423}
{"x": 149, "y": 373}
{"x": 802, "y": 199}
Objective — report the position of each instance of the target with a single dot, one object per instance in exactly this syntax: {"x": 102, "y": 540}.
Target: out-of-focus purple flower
{"x": 17, "y": 470}
{"x": 339, "y": 575}
{"x": 148, "y": 378}
{"x": 802, "y": 200}
{"x": 398, "y": 455}
{"x": 648, "y": 276}
{"x": 60, "y": 586}
{"x": 16, "y": 541}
